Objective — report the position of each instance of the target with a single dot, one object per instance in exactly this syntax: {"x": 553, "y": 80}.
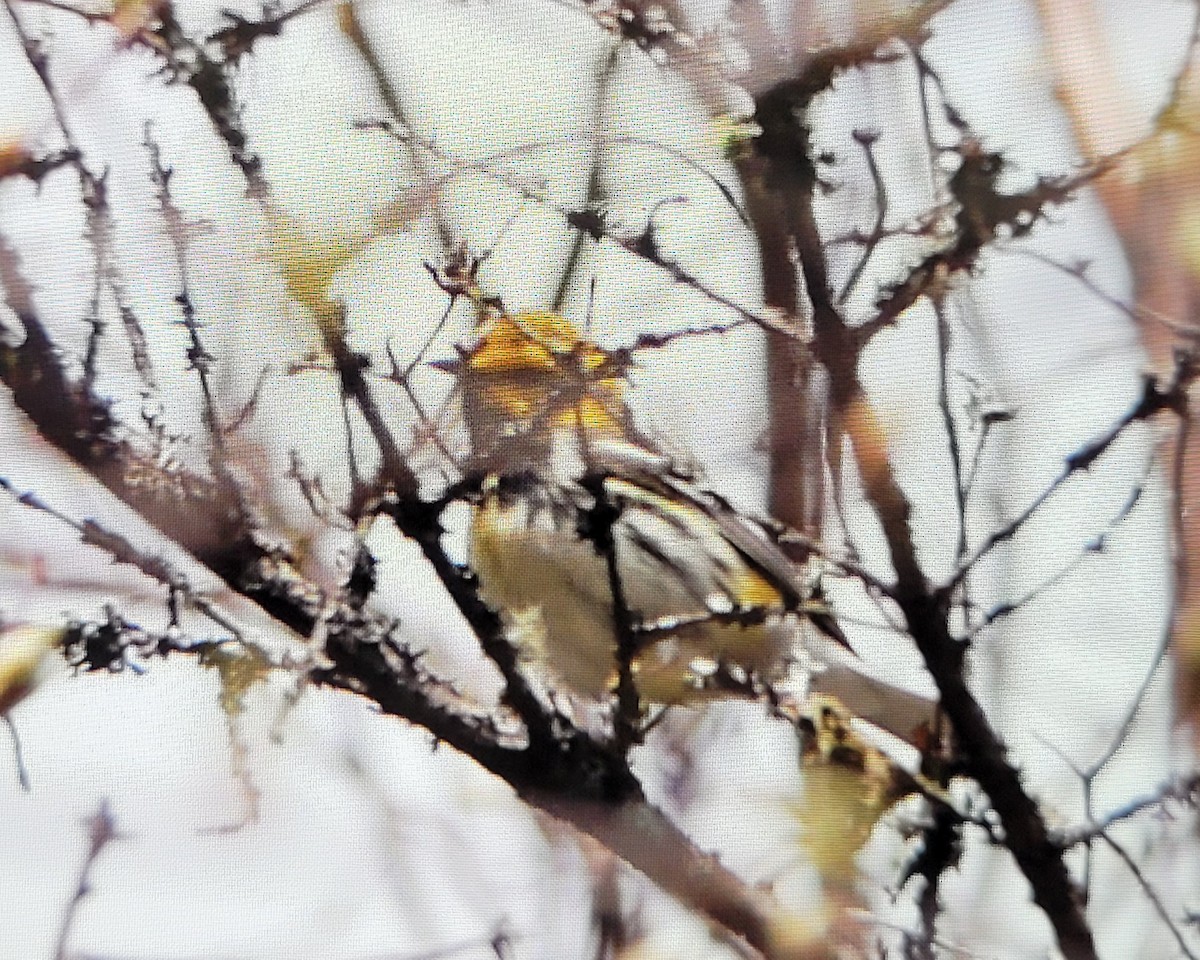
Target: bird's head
{"x": 533, "y": 383}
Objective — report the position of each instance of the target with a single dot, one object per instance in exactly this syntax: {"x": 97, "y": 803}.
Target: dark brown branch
{"x": 193, "y": 511}
{"x": 940, "y": 851}
{"x": 421, "y": 522}
{"x": 983, "y": 755}
{"x": 209, "y": 79}
{"x": 239, "y": 37}
{"x": 597, "y": 524}
{"x": 179, "y": 231}
{"x": 866, "y": 140}
{"x": 784, "y": 149}
{"x": 983, "y": 213}
{"x": 909, "y": 27}
{"x": 38, "y": 168}
{"x": 393, "y": 678}
{"x": 574, "y": 778}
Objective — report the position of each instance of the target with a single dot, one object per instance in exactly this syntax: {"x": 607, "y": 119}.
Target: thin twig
{"x": 1150, "y": 893}
{"x": 101, "y": 832}
{"x": 18, "y": 753}
{"x": 1168, "y": 632}
{"x": 100, "y": 231}
{"x": 593, "y": 197}
{"x": 1091, "y": 548}
{"x": 1182, "y": 789}
{"x": 1136, "y": 312}
{"x": 960, "y": 490}
{"x": 866, "y": 139}
{"x": 1153, "y": 400}
{"x": 122, "y": 551}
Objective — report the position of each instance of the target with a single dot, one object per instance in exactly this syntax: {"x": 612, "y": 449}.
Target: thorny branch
{"x": 553, "y": 765}
{"x": 783, "y": 149}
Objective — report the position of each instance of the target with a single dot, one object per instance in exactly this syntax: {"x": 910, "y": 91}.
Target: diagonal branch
{"x": 1154, "y": 400}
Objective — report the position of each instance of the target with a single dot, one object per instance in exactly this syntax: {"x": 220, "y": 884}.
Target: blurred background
{"x": 389, "y": 135}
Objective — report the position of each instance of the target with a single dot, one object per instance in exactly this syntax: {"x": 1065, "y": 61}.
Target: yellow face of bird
{"x": 532, "y": 374}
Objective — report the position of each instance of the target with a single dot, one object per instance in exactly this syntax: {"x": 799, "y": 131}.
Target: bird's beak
{"x": 452, "y": 365}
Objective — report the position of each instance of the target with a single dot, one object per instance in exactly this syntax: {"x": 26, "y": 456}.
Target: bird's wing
{"x": 751, "y": 538}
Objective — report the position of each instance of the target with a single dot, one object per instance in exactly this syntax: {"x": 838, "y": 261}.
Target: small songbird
{"x": 708, "y": 597}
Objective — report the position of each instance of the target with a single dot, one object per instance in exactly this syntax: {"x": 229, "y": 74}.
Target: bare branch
{"x": 1154, "y": 399}
{"x": 1182, "y": 789}
{"x": 101, "y": 832}
{"x": 1151, "y": 894}
{"x": 18, "y": 754}
{"x": 1091, "y": 548}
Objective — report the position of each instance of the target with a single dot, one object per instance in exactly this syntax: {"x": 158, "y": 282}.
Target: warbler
{"x": 705, "y": 591}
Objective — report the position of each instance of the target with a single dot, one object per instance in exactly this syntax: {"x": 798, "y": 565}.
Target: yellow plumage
{"x": 706, "y": 588}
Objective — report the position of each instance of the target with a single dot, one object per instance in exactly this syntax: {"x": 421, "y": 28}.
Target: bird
{"x": 590, "y": 541}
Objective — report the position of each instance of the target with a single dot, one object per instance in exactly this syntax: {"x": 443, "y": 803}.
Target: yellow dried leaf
{"x": 240, "y": 666}
{"x": 733, "y": 134}
{"x": 25, "y": 651}
{"x": 131, "y": 17}
{"x": 848, "y": 786}
{"x": 309, "y": 263}
{"x": 13, "y": 155}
